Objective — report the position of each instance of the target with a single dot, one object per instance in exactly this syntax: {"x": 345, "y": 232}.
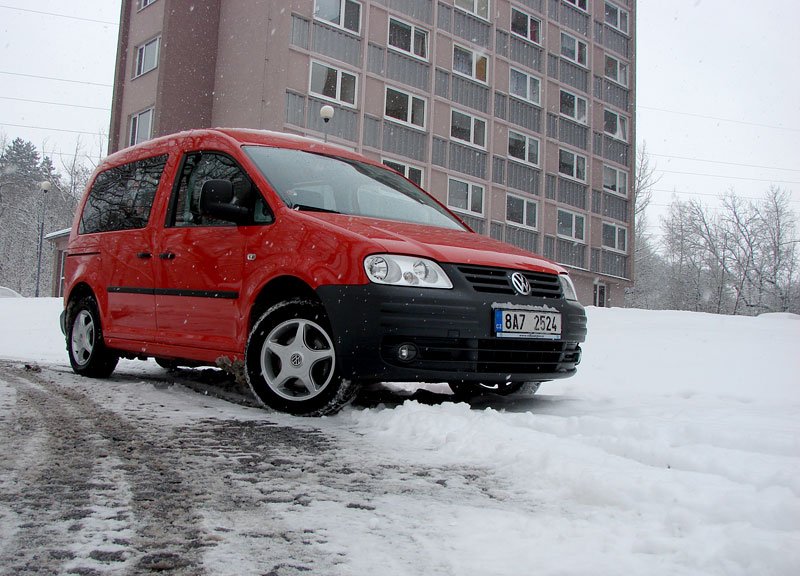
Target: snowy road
{"x": 676, "y": 451}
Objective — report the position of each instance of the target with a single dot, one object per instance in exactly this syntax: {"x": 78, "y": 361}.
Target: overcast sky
{"x": 718, "y": 88}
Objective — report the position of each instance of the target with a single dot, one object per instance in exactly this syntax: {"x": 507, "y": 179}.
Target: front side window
{"x": 147, "y": 56}
{"x": 571, "y": 225}
{"x": 615, "y": 181}
{"x": 574, "y": 49}
{"x": 521, "y": 211}
{"x": 468, "y": 128}
{"x": 478, "y": 7}
{"x": 413, "y": 173}
{"x": 524, "y": 86}
{"x": 465, "y": 196}
{"x": 522, "y": 147}
{"x": 616, "y": 70}
{"x": 121, "y": 197}
{"x": 333, "y": 84}
{"x": 141, "y": 127}
{"x": 572, "y": 165}
{"x": 615, "y": 125}
{"x": 405, "y": 107}
{"x": 526, "y": 26}
{"x": 573, "y": 107}
{"x": 342, "y": 13}
{"x": 615, "y": 237}
{"x": 468, "y": 63}
{"x": 408, "y": 38}
{"x": 616, "y": 17}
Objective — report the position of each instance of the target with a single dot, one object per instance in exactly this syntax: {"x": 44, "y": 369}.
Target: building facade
{"x": 518, "y": 114}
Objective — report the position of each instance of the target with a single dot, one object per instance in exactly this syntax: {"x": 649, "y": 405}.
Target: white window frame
{"x": 410, "y": 98}
{"x": 471, "y": 189}
{"x": 479, "y": 8}
{"x": 134, "y": 135}
{"x": 620, "y": 75}
{"x": 577, "y": 44}
{"x": 579, "y": 165}
{"x": 142, "y": 4}
{"x": 474, "y": 121}
{"x": 342, "y": 8}
{"x": 411, "y": 51}
{"x": 619, "y": 19}
{"x": 527, "y": 35}
{"x": 621, "y": 122}
{"x": 525, "y": 203}
{"x": 532, "y": 84}
{"x": 575, "y": 217}
{"x": 620, "y": 178}
{"x": 141, "y": 52}
{"x": 530, "y": 143}
{"x": 339, "y": 72}
{"x": 581, "y": 112}
{"x": 406, "y": 170}
{"x": 474, "y": 59}
{"x": 581, "y": 4}
{"x": 619, "y": 230}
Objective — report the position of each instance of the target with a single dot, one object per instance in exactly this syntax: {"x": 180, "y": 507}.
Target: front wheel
{"x": 468, "y": 390}
{"x": 291, "y": 361}
{"x": 87, "y": 351}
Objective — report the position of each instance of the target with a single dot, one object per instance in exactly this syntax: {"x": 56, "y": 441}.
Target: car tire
{"x": 290, "y": 361}
{"x": 468, "y": 390}
{"x": 88, "y": 354}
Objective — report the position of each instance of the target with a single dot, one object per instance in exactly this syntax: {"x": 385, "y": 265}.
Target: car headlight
{"x": 567, "y": 287}
{"x": 405, "y": 271}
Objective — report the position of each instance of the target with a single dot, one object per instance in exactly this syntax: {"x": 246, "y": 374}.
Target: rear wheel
{"x": 467, "y": 390}
{"x": 87, "y": 351}
{"x": 291, "y": 361}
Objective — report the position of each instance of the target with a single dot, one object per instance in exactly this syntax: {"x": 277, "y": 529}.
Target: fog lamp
{"x": 406, "y": 352}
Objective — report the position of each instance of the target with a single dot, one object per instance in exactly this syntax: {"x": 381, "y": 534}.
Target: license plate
{"x": 527, "y": 324}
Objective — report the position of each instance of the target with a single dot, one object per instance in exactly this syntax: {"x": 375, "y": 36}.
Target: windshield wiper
{"x": 309, "y": 208}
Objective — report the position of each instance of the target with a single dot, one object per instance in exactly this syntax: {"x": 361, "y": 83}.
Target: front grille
{"x": 498, "y": 281}
{"x": 486, "y": 356}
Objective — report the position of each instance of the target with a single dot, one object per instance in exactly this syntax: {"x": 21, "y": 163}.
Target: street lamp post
{"x": 326, "y": 113}
{"x": 45, "y": 188}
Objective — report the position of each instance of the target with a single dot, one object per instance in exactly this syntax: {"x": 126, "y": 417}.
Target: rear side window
{"x": 121, "y": 197}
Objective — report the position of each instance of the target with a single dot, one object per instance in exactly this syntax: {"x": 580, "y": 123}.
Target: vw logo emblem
{"x": 296, "y": 360}
{"x": 520, "y": 284}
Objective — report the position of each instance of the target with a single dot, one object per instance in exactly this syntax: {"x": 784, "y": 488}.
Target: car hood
{"x": 440, "y": 244}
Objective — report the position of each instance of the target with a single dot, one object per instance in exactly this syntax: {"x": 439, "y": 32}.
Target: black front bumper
{"x": 451, "y": 331}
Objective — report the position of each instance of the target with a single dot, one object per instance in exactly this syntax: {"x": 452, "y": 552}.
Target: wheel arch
{"x": 277, "y": 290}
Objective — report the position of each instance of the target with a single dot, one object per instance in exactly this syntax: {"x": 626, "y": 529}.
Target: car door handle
{"x": 167, "y": 256}
{"x": 144, "y": 255}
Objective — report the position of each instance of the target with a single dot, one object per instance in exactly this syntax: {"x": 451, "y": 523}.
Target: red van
{"x": 307, "y": 267}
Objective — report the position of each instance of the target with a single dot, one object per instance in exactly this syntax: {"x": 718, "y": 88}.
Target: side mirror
{"x": 215, "y": 201}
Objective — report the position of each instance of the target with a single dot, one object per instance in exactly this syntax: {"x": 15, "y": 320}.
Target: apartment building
{"x": 518, "y": 114}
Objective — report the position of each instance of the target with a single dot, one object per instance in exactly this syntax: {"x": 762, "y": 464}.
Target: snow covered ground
{"x": 675, "y": 451}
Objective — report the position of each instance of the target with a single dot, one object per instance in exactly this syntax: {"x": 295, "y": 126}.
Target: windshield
{"x": 310, "y": 181}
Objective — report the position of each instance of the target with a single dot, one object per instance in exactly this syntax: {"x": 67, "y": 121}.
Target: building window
{"x": 615, "y": 125}
{"x": 582, "y": 4}
{"x": 571, "y": 225}
{"x": 468, "y": 63}
{"x": 574, "y": 49}
{"x": 523, "y": 147}
{"x": 342, "y": 13}
{"x": 616, "y": 70}
{"x": 408, "y": 38}
{"x": 600, "y": 295}
{"x": 478, "y": 7}
{"x": 411, "y": 172}
{"x": 616, "y": 17}
{"x": 405, "y": 107}
{"x": 141, "y": 127}
{"x": 468, "y": 128}
{"x": 615, "y": 181}
{"x": 573, "y": 106}
{"x": 615, "y": 237}
{"x": 526, "y": 26}
{"x": 147, "y": 56}
{"x": 524, "y": 86}
{"x": 521, "y": 211}
{"x": 465, "y": 196}
{"x": 333, "y": 84}
{"x": 572, "y": 165}
{"x": 142, "y": 4}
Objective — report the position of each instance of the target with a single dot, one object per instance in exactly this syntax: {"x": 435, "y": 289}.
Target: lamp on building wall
{"x": 45, "y": 188}
{"x": 326, "y": 113}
